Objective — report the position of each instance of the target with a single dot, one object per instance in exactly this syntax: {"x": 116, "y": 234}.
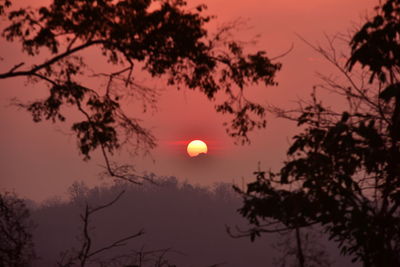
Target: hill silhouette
{"x": 186, "y": 219}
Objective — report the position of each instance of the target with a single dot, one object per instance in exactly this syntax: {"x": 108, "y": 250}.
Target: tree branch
{"x": 12, "y": 73}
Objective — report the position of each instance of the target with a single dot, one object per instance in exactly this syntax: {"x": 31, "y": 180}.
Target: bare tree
{"x": 308, "y": 242}
{"x": 87, "y": 253}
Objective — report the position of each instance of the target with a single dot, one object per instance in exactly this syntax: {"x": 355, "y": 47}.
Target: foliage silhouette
{"x": 343, "y": 168}
{"x": 162, "y": 38}
{"x": 16, "y": 246}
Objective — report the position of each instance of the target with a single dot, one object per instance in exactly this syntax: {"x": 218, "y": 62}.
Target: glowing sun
{"x": 196, "y": 147}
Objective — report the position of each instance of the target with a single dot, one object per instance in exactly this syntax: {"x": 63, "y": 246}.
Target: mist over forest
{"x": 183, "y": 223}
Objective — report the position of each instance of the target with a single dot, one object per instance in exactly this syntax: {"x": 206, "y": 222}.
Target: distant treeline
{"x": 183, "y": 225}
{"x": 188, "y": 221}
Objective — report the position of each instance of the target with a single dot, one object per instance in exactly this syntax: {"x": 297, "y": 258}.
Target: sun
{"x": 196, "y": 147}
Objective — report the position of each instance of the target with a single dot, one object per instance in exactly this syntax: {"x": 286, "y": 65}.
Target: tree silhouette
{"x": 86, "y": 253}
{"x": 343, "y": 169}
{"x": 16, "y": 246}
{"x": 315, "y": 255}
{"x": 162, "y": 38}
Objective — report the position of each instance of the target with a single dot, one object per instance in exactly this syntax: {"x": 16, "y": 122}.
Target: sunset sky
{"x": 41, "y": 160}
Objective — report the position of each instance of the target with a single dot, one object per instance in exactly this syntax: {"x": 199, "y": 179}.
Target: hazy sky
{"x": 41, "y": 160}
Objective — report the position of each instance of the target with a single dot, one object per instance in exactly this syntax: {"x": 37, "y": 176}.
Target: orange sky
{"x": 40, "y": 160}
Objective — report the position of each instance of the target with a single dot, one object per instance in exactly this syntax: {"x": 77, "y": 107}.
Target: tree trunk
{"x": 300, "y": 255}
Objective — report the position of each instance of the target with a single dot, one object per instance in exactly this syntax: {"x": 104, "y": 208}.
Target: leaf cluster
{"x": 376, "y": 46}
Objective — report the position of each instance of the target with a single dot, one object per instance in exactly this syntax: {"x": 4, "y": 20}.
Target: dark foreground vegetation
{"x": 343, "y": 168}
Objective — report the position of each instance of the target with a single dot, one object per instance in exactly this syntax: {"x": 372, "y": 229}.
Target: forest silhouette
{"x": 182, "y": 224}
{"x": 341, "y": 176}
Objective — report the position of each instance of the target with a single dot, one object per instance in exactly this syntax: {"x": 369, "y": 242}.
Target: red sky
{"x": 40, "y": 160}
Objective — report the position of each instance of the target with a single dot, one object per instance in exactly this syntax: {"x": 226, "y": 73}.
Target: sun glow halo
{"x": 196, "y": 147}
